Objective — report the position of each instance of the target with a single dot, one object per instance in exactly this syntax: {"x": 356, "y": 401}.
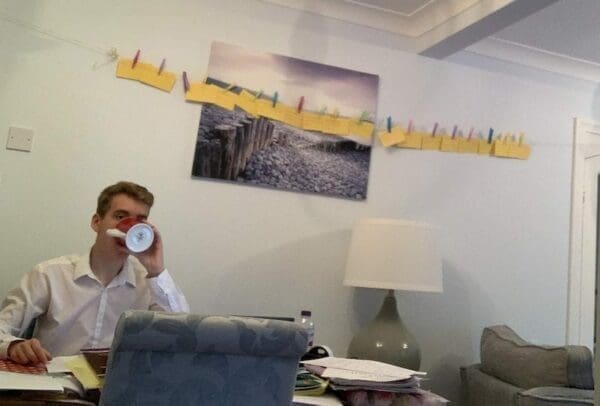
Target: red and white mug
{"x": 138, "y": 236}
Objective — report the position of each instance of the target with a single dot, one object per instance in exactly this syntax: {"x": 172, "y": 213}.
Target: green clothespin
{"x": 323, "y": 110}
{"x": 363, "y": 117}
{"x": 260, "y": 92}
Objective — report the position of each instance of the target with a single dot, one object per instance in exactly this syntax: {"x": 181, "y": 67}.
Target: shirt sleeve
{"x": 166, "y": 295}
{"x": 22, "y": 304}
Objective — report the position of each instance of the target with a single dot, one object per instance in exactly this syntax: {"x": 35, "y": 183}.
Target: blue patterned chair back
{"x": 160, "y": 358}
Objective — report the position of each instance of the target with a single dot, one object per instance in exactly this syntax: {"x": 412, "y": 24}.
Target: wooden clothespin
{"x": 186, "y": 83}
{"x": 135, "y": 59}
{"x": 300, "y": 104}
{"x": 162, "y": 66}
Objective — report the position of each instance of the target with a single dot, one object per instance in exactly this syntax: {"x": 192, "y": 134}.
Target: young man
{"x": 77, "y": 300}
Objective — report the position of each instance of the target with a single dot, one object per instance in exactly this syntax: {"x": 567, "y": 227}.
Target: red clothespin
{"x": 186, "y": 84}
{"x": 162, "y": 66}
{"x": 300, "y": 104}
{"x": 135, "y": 59}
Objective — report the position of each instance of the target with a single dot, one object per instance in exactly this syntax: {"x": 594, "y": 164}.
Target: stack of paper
{"x": 309, "y": 384}
{"x": 353, "y": 374}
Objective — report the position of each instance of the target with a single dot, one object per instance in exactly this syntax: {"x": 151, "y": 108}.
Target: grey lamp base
{"x": 387, "y": 339}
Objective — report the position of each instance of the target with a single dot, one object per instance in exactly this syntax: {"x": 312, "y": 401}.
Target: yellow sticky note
{"x": 431, "y": 143}
{"x": 327, "y": 123}
{"x": 311, "y": 121}
{"x": 266, "y": 109}
{"x": 165, "y": 81}
{"x": 361, "y": 128}
{"x": 520, "y": 151}
{"x": 484, "y": 147}
{"x": 468, "y": 145}
{"x": 389, "y": 138}
{"x": 340, "y": 126}
{"x": 84, "y": 373}
{"x": 200, "y": 92}
{"x": 247, "y": 102}
{"x": 501, "y": 147}
{"x": 290, "y": 116}
{"x": 224, "y": 98}
{"x": 413, "y": 141}
{"x": 125, "y": 71}
{"x": 449, "y": 144}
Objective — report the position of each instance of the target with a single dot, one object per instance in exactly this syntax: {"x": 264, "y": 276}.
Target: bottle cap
{"x": 305, "y": 313}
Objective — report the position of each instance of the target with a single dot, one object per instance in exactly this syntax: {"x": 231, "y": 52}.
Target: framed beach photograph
{"x": 284, "y": 123}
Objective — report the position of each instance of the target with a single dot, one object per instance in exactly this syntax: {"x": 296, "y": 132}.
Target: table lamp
{"x": 394, "y": 255}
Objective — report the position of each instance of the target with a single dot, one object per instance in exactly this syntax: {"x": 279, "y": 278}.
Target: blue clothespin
{"x": 490, "y": 135}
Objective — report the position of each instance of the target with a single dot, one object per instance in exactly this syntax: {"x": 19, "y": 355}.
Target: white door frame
{"x": 586, "y": 143}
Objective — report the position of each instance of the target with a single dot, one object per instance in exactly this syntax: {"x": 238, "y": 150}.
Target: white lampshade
{"x": 394, "y": 254}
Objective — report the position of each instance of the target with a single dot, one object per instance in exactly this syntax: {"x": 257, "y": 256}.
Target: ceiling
{"x": 562, "y": 36}
{"x": 435, "y": 28}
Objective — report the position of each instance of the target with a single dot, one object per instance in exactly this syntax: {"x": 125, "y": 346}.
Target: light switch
{"x": 19, "y": 139}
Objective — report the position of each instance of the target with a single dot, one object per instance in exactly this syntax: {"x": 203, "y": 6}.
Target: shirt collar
{"x": 83, "y": 268}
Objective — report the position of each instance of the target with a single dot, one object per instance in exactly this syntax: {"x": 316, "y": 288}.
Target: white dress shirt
{"x": 74, "y": 310}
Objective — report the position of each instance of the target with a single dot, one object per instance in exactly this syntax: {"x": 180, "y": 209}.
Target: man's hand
{"x": 28, "y": 351}
{"x": 153, "y": 259}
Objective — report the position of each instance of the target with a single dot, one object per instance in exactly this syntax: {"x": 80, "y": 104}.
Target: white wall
{"x": 237, "y": 249}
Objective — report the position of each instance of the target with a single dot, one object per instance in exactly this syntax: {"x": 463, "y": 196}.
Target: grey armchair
{"x": 515, "y": 372}
{"x": 180, "y": 359}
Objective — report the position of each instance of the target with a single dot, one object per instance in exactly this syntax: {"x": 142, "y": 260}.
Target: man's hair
{"x": 134, "y": 191}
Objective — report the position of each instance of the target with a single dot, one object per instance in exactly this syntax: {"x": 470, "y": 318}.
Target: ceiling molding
{"x": 431, "y": 16}
{"x": 532, "y": 57}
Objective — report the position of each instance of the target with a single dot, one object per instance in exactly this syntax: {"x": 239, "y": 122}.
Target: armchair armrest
{"x": 508, "y": 357}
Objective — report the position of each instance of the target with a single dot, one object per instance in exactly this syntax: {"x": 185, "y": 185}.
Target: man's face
{"x": 121, "y": 206}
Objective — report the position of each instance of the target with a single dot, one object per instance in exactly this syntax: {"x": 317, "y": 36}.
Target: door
{"x": 589, "y": 253}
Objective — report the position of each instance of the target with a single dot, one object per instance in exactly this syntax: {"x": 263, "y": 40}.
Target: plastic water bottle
{"x": 307, "y": 323}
